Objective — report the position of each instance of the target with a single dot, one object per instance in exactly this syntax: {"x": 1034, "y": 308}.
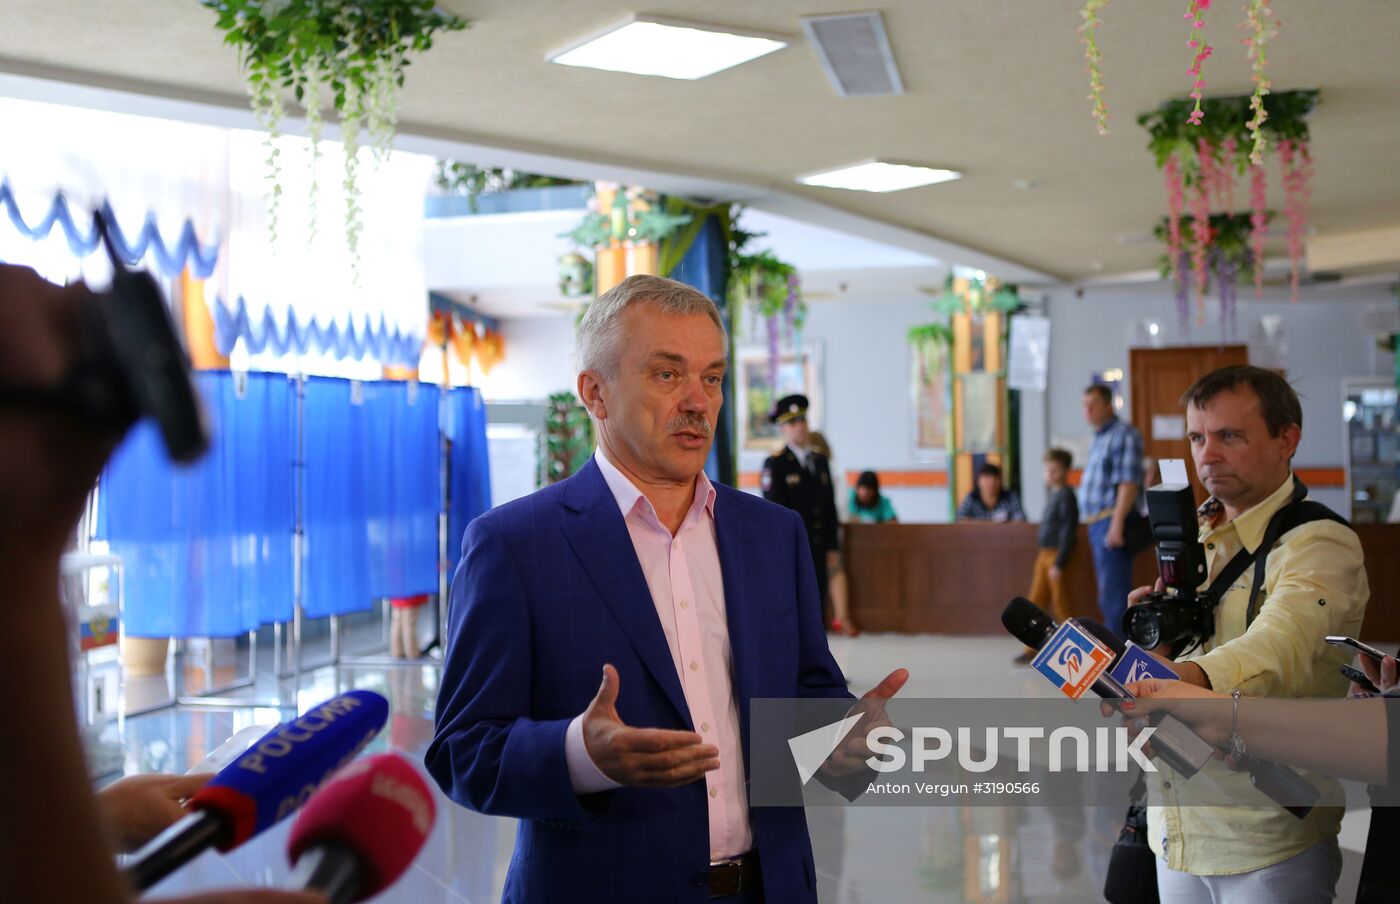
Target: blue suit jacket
{"x": 549, "y": 589}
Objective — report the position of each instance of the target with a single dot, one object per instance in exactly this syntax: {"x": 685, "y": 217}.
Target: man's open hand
{"x": 850, "y": 755}
{"x": 642, "y": 757}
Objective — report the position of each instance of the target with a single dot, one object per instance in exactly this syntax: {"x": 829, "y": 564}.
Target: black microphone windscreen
{"x": 1103, "y": 635}
{"x": 1027, "y": 622}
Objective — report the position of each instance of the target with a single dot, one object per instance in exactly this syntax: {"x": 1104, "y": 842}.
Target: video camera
{"x": 131, "y": 365}
{"x": 1182, "y": 614}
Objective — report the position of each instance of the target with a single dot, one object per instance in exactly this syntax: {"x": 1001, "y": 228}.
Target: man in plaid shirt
{"x": 1108, "y": 493}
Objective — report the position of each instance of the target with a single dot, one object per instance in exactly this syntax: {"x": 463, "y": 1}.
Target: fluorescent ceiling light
{"x": 649, "y": 45}
{"x": 875, "y": 175}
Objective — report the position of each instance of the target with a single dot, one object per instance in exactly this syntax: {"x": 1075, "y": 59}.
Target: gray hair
{"x": 600, "y": 333}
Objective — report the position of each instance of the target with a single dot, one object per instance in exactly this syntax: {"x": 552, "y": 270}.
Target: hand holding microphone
{"x": 362, "y": 830}
{"x": 137, "y": 808}
{"x": 265, "y": 784}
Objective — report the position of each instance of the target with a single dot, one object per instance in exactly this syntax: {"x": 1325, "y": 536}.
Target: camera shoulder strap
{"x": 1297, "y": 512}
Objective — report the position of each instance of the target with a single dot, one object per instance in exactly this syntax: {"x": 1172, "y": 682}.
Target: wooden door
{"x": 1159, "y": 377}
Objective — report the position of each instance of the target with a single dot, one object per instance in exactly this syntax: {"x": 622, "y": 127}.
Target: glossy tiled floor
{"x": 863, "y": 855}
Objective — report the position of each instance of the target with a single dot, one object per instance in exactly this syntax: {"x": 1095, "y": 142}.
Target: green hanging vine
{"x": 351, "y": 53}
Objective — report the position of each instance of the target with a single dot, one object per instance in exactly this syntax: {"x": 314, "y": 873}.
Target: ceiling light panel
{"x": 670, "y": 48}
{"x": 879, "y": 176}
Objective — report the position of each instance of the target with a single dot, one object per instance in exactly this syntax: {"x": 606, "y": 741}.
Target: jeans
{"x": 1114, "y": 570}
{"x": 1309, "y": 877}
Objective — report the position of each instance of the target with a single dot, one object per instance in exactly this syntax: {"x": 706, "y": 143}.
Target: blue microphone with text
{"x": 266, "y": 784}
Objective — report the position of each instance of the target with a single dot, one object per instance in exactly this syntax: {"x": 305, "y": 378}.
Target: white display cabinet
{"x": 91, "y": 587}
{"x": 1371, "y": 447}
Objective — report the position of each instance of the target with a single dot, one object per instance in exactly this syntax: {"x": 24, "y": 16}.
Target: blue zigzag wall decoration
{"x": 291, "y": 336}
{"x": 171, "y": 260}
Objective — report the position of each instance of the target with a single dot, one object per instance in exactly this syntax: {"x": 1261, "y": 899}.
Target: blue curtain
{"x": 335, "y": 570}
{"x": 469, "y": 466}
{"x": 207, "y": 549}
{"x": 403, "y": 483}
{"x": 371, "y": 495}
{"x": 706, "y": 267}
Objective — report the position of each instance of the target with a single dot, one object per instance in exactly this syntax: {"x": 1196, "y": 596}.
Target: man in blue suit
{"x": 608, "y": 632}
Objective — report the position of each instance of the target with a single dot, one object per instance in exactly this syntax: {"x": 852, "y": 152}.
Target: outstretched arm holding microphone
{"x": 53, "y": 842}
{"x": 1354, "y": 732}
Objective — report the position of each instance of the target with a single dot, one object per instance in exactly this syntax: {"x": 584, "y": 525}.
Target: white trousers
{"x": 1309, "y": 877}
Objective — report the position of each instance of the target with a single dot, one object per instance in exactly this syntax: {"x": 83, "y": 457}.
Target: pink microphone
{"x": 361, "y": 830}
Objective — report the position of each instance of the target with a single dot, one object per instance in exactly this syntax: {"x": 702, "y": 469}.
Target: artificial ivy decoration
{"x": 636, "y": 215}
{"x": 568, "y": 437}
{"x": 458, "y": 178}
{"x": 973, "y": 295}
{"x": 352, "y": 52}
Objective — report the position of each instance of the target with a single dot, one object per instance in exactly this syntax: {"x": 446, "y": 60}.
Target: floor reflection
{"x": 863, "y": 855}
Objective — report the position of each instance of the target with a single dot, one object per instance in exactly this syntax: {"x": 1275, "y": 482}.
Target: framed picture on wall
{"x": 929, "y": 403}
{"x": 799, "y": 371}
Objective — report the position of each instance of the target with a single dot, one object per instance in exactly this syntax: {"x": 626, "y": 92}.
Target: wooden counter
{"x": 956, "y": 578}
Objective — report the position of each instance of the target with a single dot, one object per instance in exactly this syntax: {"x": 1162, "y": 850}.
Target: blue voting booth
{"x": 355, "y": 467}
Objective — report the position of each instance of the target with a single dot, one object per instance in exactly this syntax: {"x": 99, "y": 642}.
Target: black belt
{"x": 735, "y": 874}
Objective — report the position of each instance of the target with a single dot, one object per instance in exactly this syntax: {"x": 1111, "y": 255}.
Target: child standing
{"x": 1059, "y": 525}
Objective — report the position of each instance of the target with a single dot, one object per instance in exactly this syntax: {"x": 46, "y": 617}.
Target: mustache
{"x": 692, "y": 423}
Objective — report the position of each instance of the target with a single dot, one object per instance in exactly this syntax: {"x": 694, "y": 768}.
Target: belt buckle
{"x": 726, "y": 878}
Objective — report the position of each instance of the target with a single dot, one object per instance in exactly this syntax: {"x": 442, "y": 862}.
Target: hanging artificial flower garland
{"x": 1094, "y": 59}
{"x": 1262, "y": 28}
{"x": 1223, "y": 243}
{"x": 1200, "y": 165}
{"x": 350, "y": 52}
{"x": 773, "y": 288}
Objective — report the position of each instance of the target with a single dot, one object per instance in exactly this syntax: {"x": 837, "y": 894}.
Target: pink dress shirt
{"x": 687, "y": 588}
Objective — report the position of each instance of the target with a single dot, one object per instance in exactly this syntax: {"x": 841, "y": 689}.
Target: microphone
{"x": 265, "y": 784}
{"x": 362, "y": 830}
{"x": 1176, "y": 744}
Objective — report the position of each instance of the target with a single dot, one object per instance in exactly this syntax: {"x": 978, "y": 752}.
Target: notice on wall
{"x": 1028, "y": 362}
{"x": 514, "y": 453}
{"x": 1169, "y": 426}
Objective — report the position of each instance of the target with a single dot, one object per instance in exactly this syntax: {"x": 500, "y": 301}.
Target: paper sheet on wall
{"x": 1029, "y": 358}
{"x": 1168, "y": 426}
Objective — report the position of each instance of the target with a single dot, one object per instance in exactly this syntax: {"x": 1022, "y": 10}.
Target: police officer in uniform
{"x": 800, "y": 479}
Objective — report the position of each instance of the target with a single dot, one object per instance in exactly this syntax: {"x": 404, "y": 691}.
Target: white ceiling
{"x": 505, "y": 265}
{"x": 995, "y": 88}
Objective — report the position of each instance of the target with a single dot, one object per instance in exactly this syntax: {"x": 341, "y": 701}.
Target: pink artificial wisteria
{"x": 1296, "y": 165}
{"x": 1176, "y": 201}
{"x": 771, "y": 322}
{"x": 1225, "y": 182}
{"x": 1258, "y": 222}
{"x": 1196, "y": 16}
{"x": 1200, "y": 245}
{"x": 1217, "y": 166}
